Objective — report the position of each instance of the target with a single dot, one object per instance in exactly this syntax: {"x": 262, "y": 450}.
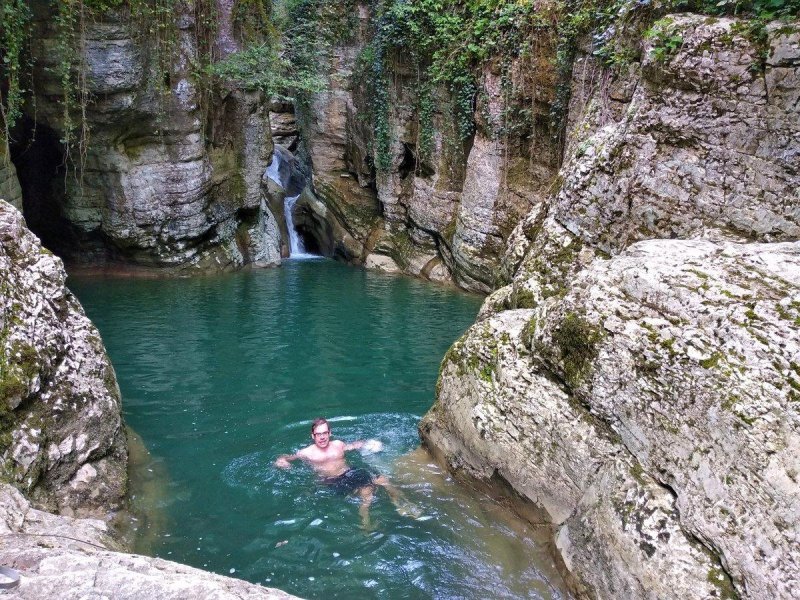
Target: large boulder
{"x": 652, "y": 411}
{"x": 61, "y": 435}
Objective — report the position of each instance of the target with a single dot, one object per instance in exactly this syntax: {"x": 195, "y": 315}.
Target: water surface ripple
{"x": 220, "y": 374}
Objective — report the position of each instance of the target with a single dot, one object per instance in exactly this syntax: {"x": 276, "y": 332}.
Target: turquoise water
{"x": 221, "y": 374}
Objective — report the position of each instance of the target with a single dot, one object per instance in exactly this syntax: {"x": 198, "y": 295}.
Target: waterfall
{"x": 296, "y": 247}
{"x": 274, "y": 169}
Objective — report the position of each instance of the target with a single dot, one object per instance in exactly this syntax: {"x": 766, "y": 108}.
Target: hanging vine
{"x": 15, "y": 18}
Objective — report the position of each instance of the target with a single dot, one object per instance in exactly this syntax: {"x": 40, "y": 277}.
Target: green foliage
{"x": 760, "y": 9}
{"x": 577, "y": 341}
{"x": 444, "y": 42}
{"x": 261, "y": 67}
{"x": 252, "y": 18}
{"x": 448, "y": 42}
{"x": 303, "y": 35}
{"x": 70, "y": 21}
{"x": 14, "y": 31}
{"x": 666, "y": 40}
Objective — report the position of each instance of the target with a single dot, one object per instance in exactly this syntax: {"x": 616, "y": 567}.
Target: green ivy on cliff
{"x": 295, "y": 42}
{"x": 446, "y": 43}
{"x": 155, "y": 21}
{"x": 14, "y": 32}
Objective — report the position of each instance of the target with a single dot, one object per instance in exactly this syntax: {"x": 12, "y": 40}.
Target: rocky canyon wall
{"x": 170, "y": 174}
{"x": 443, "y": 213}
{"x": 637, "y": 377}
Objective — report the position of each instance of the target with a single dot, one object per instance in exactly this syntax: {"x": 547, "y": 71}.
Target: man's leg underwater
{"x": 401, "y": 503}
{"x": 366, "y": 493}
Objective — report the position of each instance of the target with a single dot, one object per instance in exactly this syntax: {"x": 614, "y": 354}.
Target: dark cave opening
{"x": 315, "y": 232}
{"x": 310, "y": 242}
{"x": 39, "y": 160}
{"x": 409, "y": 162}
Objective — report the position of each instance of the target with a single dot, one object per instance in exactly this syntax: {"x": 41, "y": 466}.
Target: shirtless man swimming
{"x": 326, "y": 457}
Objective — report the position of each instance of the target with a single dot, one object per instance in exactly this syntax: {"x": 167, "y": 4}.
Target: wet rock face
{"x": 61, "y": 435}
{"x": 164, "y": 181}
{"x": 9, "y": 184}
{"x": 61, "y": 557}
{"x": 337, "y": 149}
{"x": 652, "y": 411}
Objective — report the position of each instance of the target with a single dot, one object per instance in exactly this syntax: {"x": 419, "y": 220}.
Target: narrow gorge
{"x": 617, "y": 180}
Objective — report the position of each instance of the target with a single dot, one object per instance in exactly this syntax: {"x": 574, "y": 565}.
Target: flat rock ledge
{"x": 653, "y": 410}
{"x": 68, "y": 558}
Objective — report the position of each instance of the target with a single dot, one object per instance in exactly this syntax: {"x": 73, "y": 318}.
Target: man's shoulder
{"x": 306, "y": 452}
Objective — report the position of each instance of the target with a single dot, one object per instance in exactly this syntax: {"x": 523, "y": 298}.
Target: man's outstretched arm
{"x": 369, "y": 445}
{"x": 284, "y": 460}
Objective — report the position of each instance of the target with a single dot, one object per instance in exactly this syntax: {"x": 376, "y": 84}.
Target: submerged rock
{"x": 61, "y": 436}
{"x": 61, "y": 557}
{"x": 652, "y": 410}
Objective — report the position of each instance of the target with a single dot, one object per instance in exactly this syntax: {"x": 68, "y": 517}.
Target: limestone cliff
{"x": 170, "y": 174}
{"x": 444, "y": 213}
{"x": 644, "y": 391}
{"x": 61, "y": 437}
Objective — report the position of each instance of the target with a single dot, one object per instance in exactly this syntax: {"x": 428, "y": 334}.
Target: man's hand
{"x": 372, "y": 446}
{"x": 283, "y": 462}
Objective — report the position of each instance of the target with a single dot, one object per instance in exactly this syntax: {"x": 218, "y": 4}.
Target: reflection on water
{"x": 148, "y": 495}
{"x": 219, "y": 375}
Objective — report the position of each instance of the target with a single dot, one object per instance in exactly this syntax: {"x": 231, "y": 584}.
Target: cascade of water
{"x": 296, "y": 247}
{"x": 273, "y": 170}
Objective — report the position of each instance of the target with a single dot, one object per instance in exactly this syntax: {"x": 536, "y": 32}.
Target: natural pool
{"x": 221, "y": 374}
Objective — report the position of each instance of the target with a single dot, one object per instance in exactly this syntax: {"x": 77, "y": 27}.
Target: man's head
{"x": 320, "y": 432}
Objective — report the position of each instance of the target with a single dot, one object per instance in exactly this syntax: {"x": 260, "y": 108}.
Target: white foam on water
{"x": 286, "y": 522}
{"x": 315, "y": 522}
{"x": 304, "y": 256}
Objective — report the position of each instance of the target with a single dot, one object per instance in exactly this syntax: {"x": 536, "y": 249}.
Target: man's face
{"x": 321, "y": 435}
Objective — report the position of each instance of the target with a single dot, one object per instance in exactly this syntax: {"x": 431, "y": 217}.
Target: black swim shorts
{"x": 349, "y": 481}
